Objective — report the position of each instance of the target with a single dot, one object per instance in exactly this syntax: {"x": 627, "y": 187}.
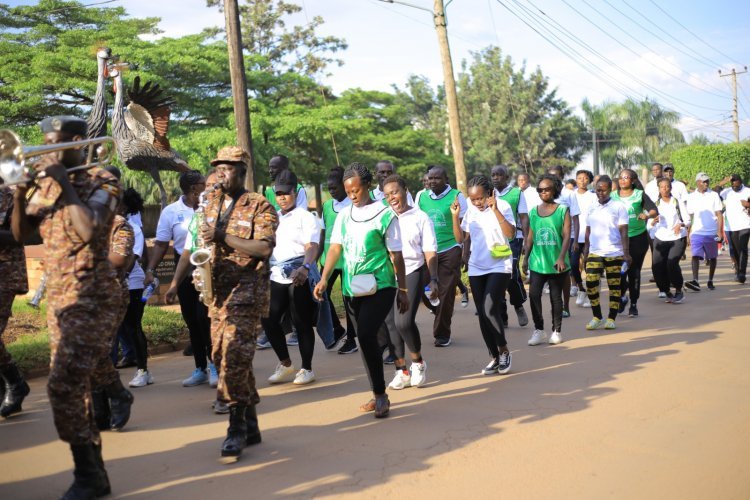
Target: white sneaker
{"x": 282, "y": 374}
{"x": 400, "y": 380}
{"x": 662, "y": 295}
{"x": 581, "y": 298}
{"x": 573, "y": 290}
{"x": 587, "y": 302}
{"x": 304, "y": 377}
{"x": 537, "y": 337}
{"x": 142, "y": 378}
{"x": 555, "y": 338}
{"x": 418, "y": 374}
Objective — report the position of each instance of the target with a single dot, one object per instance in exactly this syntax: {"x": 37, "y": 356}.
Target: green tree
{"x": 511, "y": 116}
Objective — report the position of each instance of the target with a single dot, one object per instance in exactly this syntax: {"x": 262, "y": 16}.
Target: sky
{"x": 667, "y": 50}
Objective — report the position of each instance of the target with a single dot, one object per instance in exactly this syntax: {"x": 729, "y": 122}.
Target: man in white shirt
{"x": 679, "y": 190}
{"x": 383, "y": 170}
{"x": 707, "y": 228}
{"x": 737, "y": 203}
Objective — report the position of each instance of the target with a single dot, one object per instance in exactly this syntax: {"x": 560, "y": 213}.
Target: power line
{"x": 596, "y": 53}
{"x": 608, "y": 34}
{"x": 709, "y": 64}
{"x": 689, "y": 31}
{"x": 73, "y": 7}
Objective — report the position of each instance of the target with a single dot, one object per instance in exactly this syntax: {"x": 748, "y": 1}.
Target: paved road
{"x": 658, "y": 409}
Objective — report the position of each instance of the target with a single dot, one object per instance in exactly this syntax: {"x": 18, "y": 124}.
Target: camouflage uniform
{"x": 122, "y": 240}
{"x": 241, "y": 295}
{"x": 82, "y": 310}
{"x": 12, "y": 271}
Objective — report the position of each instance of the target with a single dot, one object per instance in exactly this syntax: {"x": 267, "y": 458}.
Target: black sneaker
{"x": 504, "y": 363}
{"x": 390, "y": 359}
{"x": 693, "y": 285}
{"x": 633, "y": 311}
{"x": 623, "y": 302}
{"x": 442, "y": 342}
{"x": 679, "y": 298}
{"x": 337, "y": 336}
{"x": 492, "y": 367}
{"x": 349, "y": 347}
{"x": 710, "y": 285}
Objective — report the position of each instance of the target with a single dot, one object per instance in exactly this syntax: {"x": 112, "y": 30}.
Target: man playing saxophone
{"x": 241, "y": 226}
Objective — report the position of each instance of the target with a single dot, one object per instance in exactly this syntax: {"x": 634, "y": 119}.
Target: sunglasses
{"x": 544, "y": 190}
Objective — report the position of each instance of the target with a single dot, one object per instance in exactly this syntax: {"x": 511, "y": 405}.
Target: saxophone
{"x": 201, "y": 259}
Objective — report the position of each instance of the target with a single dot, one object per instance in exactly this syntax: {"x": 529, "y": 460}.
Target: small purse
{"x": 499, "y": 251}
{"x": 363, "y": 285}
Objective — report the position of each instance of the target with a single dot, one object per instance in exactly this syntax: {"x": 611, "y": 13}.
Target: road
{"x": 657, "y": 409}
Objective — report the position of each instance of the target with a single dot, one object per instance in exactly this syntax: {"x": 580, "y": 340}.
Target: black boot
{"x": 106, "y": 489}
{"x": 120, "y": 401}
{"x": 16, "y": 389}
{"x": 236, "y": 433}
{"x": 89, "y": 481}
{"x": 253, "y": 432}
{"x": 102, "y": 415}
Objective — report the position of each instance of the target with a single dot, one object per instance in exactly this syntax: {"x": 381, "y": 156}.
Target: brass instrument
{"x": 14, "y": 156}
{"x": 201, "y": 259}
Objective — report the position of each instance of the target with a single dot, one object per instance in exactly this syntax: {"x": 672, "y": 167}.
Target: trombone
{"x": 14, "y": 156}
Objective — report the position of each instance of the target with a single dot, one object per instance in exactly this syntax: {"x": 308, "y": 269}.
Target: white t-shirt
{"x": 531, "y": 197}
{"x": 679, "y": 190}
{"x": 392, "y": 234}
{"x": 670, "y": 216}
{"x": 173, "y": 224}
{"x": 136, "y": 275}
{"x": 417, "y": 237}
{"x": 585, "y": 201}
{"x": 379, "y": 195}
{"x": 604, "y": 222}
{"x": 568, "y": 199}
{"x": 522, "y": 208}
{"x": 481, "y": 224}
{"x": 296, "y": 229}
{"x": 737, "y": 218}
{"x": 703, "y": 208}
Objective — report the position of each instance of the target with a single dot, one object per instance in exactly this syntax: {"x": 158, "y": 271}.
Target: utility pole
{"x": 239, "y": 87}
{"x": 595, "y": 159}
{"x": 451, "y": 98}
{"x": 735, "y": 117}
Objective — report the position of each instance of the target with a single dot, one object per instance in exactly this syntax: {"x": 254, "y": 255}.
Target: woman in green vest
{"x": 547, "y": 246}
{"x": 640, "y": 209}
{"x": 366, "y": 235}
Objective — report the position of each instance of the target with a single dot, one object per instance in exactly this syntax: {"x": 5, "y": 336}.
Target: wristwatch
{"x": 150, "y": 271}
{"x": 306, "y": 266}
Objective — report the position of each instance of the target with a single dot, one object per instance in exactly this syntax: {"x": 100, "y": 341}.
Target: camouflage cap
{"x": 69, "y": 124}
{"x": 231, "y": 154}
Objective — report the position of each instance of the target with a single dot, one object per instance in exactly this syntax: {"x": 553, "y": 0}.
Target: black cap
{"x": 669, "y": 166}
{"x": 286, "y": 182}
{"x": 69, "y": 124}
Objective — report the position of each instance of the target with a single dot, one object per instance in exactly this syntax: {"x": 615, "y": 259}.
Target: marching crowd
{"x": 274, "y": 268}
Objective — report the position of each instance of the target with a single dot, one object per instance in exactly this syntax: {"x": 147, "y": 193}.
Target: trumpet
{"x": 14, "y": 156}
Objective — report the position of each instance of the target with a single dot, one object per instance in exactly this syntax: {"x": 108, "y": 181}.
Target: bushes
{"x": 716, "y": 160}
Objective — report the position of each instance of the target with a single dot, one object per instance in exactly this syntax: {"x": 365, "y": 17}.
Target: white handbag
{"x": 363, "y": 285}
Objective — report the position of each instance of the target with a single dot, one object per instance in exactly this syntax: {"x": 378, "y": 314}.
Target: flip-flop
{"x": 369, "y": 406}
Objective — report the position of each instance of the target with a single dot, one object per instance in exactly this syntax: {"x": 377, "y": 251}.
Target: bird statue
{"x": 140, "y": 130}
{"x": 97, "y": 120}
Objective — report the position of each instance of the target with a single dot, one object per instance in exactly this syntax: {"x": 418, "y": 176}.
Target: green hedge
{"x": 716, "y": 160}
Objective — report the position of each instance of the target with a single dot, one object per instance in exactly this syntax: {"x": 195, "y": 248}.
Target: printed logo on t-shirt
{"x": 545, "y": 236}
{"x": 438, "y": 219}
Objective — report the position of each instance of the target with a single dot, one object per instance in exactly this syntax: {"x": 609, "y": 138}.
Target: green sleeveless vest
{"x": 634, "y": 204}
{"x": 364, "y": 250}
{"x": 513, "y": 198}
{"x": 270, "y": 195}
{"x": 329, "y": 218}
{"x": 440, "y": 213}
{"x": 547, "y": 240}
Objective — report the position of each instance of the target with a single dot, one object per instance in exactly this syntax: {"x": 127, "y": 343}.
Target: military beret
{"x": 231, "y": 154}
{"x": 69, "y": 124}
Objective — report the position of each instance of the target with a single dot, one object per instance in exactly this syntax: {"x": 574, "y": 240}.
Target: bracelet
{"x": 306, "y": 266}
{"x": 405, "y": 290}
{"x": 150, "y": 271}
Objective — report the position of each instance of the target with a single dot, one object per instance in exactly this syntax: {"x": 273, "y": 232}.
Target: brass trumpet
{"x": 14, "y": 156}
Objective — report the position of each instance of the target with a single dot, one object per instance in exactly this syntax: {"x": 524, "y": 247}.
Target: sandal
{"x": 369, "y": 406}
{"x": 382, "y": 406}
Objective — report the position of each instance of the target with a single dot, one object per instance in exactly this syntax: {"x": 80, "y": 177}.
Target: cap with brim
{"x": 668, "y": 166}
{"x": 68, "y": 124}
{"x": 231, "y": 154}
{"x": 286, "y": 182}
{"x": 702, "y": 177}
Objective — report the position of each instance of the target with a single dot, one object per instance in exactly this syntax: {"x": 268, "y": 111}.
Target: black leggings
{"x": 335, "y": 317}
{"x": 667, "y": 270}
{"x": 738, "y": 249}
{"x": 575, "y": 265}
{"x": 406, "y": 331}
{"x": 368, "y": 315}
{"x": 631, "y": 280}
{"x": 489, "y": 297}
{"x": 195, "y": 314}
{"x": 132, "y": 329}
{"x": 299, "y": 303}
{"x": 536, "y": 286}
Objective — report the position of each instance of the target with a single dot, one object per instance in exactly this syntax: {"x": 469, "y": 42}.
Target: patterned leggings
{"x": 595, "y": 267}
